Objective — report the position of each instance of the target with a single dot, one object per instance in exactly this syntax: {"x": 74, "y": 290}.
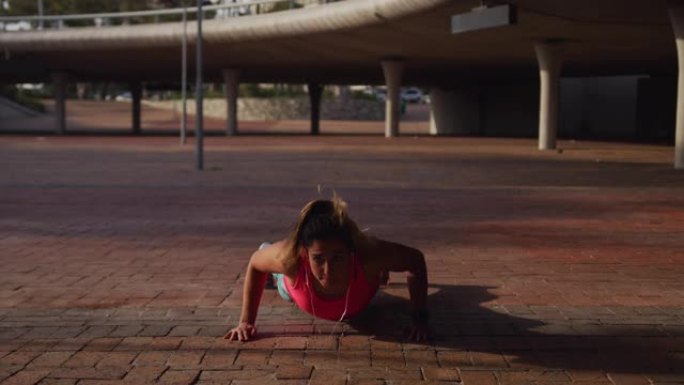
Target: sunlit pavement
{"x": 119, "y": 263}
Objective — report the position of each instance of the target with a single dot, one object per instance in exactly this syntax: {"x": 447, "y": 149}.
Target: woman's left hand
{"x": 419, "y": 331}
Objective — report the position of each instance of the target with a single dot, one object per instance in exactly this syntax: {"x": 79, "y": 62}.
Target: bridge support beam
{"x": 453, "y": 112}
{"x": 315, "y": 93}
{"x": 676, "y": 11}
{"x": 550, "y": 61}
{"x": 136, "y": 99}
{"x": 393, "y": 71}
{"x": 59, "y": 82}
{"x": 231, "y": 79}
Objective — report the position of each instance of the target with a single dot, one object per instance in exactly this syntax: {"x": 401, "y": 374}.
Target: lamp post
{"x": 184, "y": 76}
{"x": 40, "y": 13}
{"x": 199, "y": 129}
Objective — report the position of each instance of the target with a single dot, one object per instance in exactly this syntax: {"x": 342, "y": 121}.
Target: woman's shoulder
{"x": 281, "y": 252}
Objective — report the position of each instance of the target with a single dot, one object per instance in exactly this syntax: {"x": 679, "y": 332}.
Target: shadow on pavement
{"x": 460, "y": 323}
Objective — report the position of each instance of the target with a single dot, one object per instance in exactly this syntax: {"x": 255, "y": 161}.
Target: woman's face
{"x": 329, "y": 260}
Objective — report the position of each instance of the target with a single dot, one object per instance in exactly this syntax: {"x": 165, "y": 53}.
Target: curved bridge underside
{"x": 345, "y": 42}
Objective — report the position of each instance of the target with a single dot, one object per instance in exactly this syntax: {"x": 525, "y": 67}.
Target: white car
{"x": 412, "y": 95}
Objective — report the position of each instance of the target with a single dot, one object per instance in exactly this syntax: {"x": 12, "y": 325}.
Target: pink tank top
{"x": 361, "y": 292}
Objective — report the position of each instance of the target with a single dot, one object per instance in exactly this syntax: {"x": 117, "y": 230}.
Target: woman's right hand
{"x": 243, "y": 332}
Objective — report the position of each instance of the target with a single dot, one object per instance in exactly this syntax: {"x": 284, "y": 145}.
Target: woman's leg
{"x": 279, "y": 278}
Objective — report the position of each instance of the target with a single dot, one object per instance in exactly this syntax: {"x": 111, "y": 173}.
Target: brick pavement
{"x": 120, "y": 264}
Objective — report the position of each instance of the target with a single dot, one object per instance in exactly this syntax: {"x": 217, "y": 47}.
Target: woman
{"x": 332, "y": 270}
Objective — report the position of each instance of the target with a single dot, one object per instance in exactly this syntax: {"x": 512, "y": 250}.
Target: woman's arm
{"x": 397, "y": 257}
{"x": 262, "y": 263}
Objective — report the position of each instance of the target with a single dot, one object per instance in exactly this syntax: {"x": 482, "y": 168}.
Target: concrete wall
{"x": 618, "y": 107}
{"x": 599, "y": 107}
{"x": 510, "y": 109}
{"x": 284, "y": 108}
{"x": 656, "y": 108}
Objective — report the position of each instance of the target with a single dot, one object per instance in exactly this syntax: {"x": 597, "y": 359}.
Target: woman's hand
{"x": 243, "y": 332}
{"x": 419, "y": 332}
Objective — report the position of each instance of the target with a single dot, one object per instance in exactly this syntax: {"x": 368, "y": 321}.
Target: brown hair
{"x": 321, "y": 219}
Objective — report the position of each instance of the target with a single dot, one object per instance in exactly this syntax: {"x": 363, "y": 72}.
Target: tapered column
{"x": 136, "y": 96}
{"x": 393, "y": 71}
{"x": 315, "y": 93}
{"x": 550, "y": 61}
{"x": 676, "y": 10}
{"x": 59, "y": 83}
{"x": 231, "y": 78}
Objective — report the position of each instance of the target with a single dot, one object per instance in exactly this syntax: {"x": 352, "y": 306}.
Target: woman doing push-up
{"x": 332, "y": 270}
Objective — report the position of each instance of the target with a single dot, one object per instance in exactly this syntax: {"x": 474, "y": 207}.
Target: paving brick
{"x": 126, "y": 331}
{"x": 252, "y": 357}
{"x": 103, "y": 373}
{"x": 328, "y": 377}
{"x": 39, "y": 345}
{"x": 354, "y": 358}
{"x": 180, "y": 360}
{"x": 291, "y": 342}
{"x": 58, "y": 381}
{"x": 286, "y": 357}
{"x": 228, "y": 375}
{"x": 103, "y": 344}
{"x": 489, "y": 360}
{"x": 151, "y": 358}
{"x": 134, "y": 344}
{"x": 18, "y": 358}
{"x": 628, "y": 379}
{"x": 321, "y": 343}
{"x": 26, "y": 377}
{"x": 165, "y": 343}
{"x": 184, "y": 331}
{"x": 154, "y": 331}
{"x": 219, "y": 360}
{"x": 416, "y": 358}
{"x": 50, "y": 359}
{"x": 84, "y": 359}
{"x": 432, "y": 373}
{"x": 391, "y": 358}
{"x": 478, "y": 377}
{"x": 197, "y": 343}
{"x": 116, "y": 359}
{"x": 354, "y": 342}
{"x": 321, "y": 359}
{"x": 178, "y": 377}
{"x": 144, "y": 374}
{"x": 291, "y": 372}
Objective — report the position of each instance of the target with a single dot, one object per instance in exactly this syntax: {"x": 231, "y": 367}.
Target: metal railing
{"x": 219, "y": 11}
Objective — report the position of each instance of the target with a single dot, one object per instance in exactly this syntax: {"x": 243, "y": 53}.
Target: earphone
{"x": 346, "y": 299}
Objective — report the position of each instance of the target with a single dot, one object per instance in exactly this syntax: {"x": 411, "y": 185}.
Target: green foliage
{"x": 363, "y": 95}
{"x": 28, "y": 99}
{"x": 253, "y": 90}
{"x": 284, "y": 6}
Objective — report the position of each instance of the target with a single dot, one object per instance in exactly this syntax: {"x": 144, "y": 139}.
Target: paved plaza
{"x": 119, "y": 263}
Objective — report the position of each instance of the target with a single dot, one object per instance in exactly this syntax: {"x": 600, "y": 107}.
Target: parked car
{"x": 380, "y": 94}
{"x": 412, "y": 95}
{"x": 124, "y": 96}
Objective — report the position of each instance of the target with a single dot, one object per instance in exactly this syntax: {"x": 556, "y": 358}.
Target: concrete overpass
{"x": 396, "y": 42}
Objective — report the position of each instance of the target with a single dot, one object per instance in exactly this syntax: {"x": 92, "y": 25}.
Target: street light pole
{"x": 199, "y": 129}
{"x": 40, "y": 13}
{"x": 184, "y": 76}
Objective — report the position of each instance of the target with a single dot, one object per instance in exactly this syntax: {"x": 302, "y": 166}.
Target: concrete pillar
{"x": 393, "y": 71}
{"x": 231, "y": 78}
{"x": 59, "y": 82}
{"x": 676, "y": 11}
{"x": 549, "y": 58}
{"x": 315, "y": 93}
{"x": 454, "y": 112}
{"x": 136, "y": 99}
